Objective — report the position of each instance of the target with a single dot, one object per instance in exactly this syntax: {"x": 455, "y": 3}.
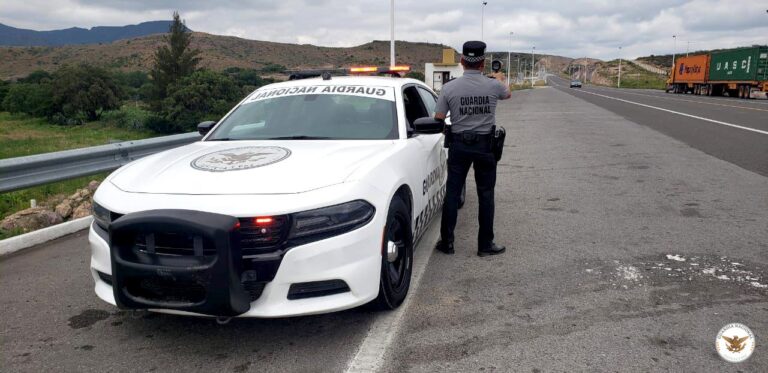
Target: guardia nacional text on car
{"x": 307, "y": 197}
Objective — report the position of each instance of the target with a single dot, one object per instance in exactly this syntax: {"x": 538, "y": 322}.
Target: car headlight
{"x": 330, "y": 221}
{"x": 102, "y": 216}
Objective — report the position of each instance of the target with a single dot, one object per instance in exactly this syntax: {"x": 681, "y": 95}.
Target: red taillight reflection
{"x": 264, "y": 221}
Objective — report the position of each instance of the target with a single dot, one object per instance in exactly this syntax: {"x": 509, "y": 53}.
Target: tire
{"x": 395, "y": 276}
{"x": 463, "y": 196}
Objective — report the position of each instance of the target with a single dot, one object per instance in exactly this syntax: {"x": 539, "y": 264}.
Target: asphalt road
{"x": 745, "y": 148}
{"x": 628, "y": 249}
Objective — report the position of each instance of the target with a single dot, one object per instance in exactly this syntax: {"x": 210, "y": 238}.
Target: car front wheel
{"x": 397, "y": 257}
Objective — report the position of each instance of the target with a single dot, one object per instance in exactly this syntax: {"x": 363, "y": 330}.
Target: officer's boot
{"x": 444, "y": 246}
{"x": 490, "y": 249}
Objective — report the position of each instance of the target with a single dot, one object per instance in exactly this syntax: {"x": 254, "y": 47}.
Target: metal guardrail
{"x": 23, "y": 172}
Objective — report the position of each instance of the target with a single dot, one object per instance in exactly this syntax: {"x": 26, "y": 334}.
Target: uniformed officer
{"x": 471, "y": 101}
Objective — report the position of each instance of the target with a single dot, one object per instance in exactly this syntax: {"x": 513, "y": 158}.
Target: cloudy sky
{"x": 594, "y": 28}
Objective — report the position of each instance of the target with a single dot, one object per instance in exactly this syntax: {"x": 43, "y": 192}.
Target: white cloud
{"x": 593, "y": 28}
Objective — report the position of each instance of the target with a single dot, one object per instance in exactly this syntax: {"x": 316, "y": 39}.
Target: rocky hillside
{"x": 218, "y": 52}
{"x": 606, "y": 73}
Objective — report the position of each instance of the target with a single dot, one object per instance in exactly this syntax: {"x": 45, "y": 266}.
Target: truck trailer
{"x": 740, "y": 72}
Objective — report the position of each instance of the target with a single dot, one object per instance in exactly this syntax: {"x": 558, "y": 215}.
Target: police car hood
{"x": 250, "y": 167}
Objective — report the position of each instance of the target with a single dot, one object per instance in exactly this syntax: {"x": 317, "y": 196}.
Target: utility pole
{"x": 619, "y": 82}
{"x": 509, "y": 57}
{"x": 533, "y": 62}
{"x": 482, "y": 22}
{"x": 674, "y": 51}
{"x": 392, "y": 33}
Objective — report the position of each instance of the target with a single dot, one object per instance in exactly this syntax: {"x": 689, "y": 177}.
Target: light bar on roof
{"x": 364, "y": 69}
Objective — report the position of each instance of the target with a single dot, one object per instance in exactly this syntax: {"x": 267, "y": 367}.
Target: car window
{"x": 429, "y": 100}
{"x": 414, "y": 107}
{"x": 312, "y": 116}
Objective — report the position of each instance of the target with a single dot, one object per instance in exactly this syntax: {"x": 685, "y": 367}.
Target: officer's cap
{"x": 473, "y": 51}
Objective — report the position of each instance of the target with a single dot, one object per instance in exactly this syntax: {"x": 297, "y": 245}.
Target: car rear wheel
{"x": 397, "y": 257}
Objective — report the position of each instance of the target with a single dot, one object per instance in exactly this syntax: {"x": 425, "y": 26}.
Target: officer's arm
{"x": 441, "y": 107}
{"x": 504, "y": 92}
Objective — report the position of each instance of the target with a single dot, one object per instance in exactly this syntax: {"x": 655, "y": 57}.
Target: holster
{"x": 497, "y": 141}
{"x": 448, "y": 137}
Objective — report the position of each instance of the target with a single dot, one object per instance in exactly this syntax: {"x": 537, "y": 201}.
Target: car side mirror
{"x": 428, "y": 125}
{"x": 204, "y": 127}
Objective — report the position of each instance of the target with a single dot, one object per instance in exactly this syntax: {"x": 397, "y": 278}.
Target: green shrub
{"x": 4, "y": 87}
{"x": 29, "y": 98}
{"x": 129, "y": 117}
{"x": 84, "y": 91}
{"x": 204, "y": 95}
{"x": 415, "y": 75}
{"x": 163, "y": 125}
{"x": 37, "y": 77}
{"x": 273, "y": 68}
{"x": 72, "y": 120}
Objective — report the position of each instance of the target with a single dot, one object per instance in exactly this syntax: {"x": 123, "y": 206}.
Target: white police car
{"x": 305, "y": 198}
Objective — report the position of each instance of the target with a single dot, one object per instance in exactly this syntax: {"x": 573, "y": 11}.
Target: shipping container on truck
{"x": 689, "y": 75}
{"x": 739, "y": 72}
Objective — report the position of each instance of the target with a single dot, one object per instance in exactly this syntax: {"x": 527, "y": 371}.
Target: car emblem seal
{"x": 244, "y": 158}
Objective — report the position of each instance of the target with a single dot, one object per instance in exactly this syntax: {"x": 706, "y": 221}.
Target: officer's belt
{"x": 470, "y": 137}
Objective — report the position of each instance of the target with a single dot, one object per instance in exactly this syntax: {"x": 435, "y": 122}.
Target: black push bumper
{"x": 203, "y": 274}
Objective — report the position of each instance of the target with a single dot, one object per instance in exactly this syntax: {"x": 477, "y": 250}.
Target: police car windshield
{"x": 310, "y": 117}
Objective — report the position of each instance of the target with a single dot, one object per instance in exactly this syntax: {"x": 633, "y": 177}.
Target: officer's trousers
{"x": 461, "y": 157}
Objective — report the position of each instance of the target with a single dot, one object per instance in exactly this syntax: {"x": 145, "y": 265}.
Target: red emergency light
{"x": 266, "y": 220}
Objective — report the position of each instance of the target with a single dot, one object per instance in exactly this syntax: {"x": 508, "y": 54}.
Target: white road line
{"x": 705, "y": 102}
{"x": 386, "y": 325}
{"x": 702, "y": 99}
{"x": 683, "y": 114}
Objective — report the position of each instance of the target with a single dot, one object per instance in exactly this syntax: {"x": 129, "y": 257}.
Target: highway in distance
{"x": 710, "y": 124}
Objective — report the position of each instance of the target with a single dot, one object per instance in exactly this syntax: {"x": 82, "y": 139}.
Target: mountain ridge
{"x": 18, "y": 37}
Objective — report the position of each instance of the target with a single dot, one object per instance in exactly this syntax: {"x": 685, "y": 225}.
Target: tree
{"x": 131, "y": 83}
{"x": 173, "y": 61}
{"x": 83, "y": 92}
{"x": 415, "y": 75}
{"x": 204, "y": 95}
{"x": 28, "y": 98}
{"x": 4, "y": 86}
{"x": 247, "y": 79}
{"x": 37, "y": 76}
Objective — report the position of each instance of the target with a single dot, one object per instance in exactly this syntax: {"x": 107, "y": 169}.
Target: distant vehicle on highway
{"x": 740, "y": 72}
{"x": 308, "y": 197}
{"x": 575, "y": 84}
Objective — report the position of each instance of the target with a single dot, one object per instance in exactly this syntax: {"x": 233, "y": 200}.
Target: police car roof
{"x": 373, "y": 81}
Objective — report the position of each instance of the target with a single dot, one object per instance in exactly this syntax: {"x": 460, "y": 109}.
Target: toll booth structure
{"x": 437, "y": 74}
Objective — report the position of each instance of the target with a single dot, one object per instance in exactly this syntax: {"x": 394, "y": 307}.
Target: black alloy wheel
{"x": 396, "y": 258}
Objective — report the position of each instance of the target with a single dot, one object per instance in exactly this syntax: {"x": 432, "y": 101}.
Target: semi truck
{"x": 740, "y": 72}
